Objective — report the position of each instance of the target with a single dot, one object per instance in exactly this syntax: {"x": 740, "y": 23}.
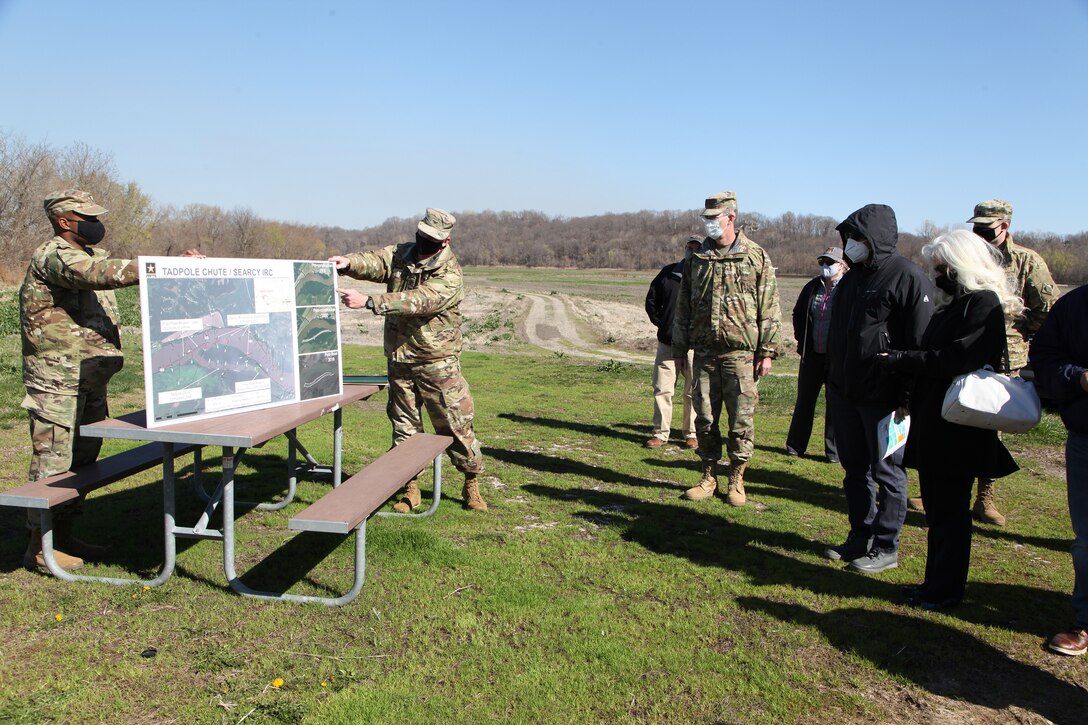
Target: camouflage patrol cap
{"x": 694, "y": 239}
{"x": 723, "y": 201}
{"x": 437, "y": 223}
{"x": 990, "y": 211}
{"x": 72, "y": 200}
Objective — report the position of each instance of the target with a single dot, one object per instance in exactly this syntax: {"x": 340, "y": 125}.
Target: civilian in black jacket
{"x": 811, "y": 323}
{"x": 964, "y": 335}
{"x": 1059, "y": 357}
{"x": 660, "y": 305}
{"x": 884, "y": 302}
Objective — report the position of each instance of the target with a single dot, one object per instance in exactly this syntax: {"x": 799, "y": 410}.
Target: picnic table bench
{"x": 47, "y": 494}
{"x": 346, "y": 508}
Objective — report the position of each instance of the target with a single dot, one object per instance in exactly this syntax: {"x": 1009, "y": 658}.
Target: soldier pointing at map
{"x": 422, "y": 309}
{"x": 71, "y": 349}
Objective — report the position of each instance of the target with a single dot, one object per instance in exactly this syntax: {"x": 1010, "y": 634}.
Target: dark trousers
{"x": 947, "y": 499}
{"x": 810, "y": 378}
{"x": 875, "y": 488}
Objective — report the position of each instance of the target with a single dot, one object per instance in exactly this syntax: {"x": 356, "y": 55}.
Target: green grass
{"x": 589, "y": 591}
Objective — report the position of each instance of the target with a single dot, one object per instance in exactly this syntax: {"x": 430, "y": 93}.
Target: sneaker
{"x": 854, "y": 547}
{"x": 1073, "y": 643}
{"x": 653, "y": 443}
{"x": 876, "y": 561}
{"x": 691, "y": 443}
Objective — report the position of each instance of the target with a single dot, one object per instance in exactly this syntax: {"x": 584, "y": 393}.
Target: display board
{"x": 226, "y": 335}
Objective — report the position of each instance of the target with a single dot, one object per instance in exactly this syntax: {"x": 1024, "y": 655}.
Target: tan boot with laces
{"x": 411, "y": 499}
{"x": 984, "y": 508}
{"x": 735, "y": 495}
{"x": 34, "y": 559}
{"x": 707, "y": 486}
{"x": 471, "y": 494}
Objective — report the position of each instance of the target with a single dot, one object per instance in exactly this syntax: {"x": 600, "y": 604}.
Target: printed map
{"x": 225, "y": 335}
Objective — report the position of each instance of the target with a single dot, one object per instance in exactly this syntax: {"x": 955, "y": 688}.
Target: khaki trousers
{"x": 664, "y": 387}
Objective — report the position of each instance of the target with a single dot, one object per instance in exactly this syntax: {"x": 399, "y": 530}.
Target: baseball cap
{"x": 990, "y": 211}
{"x": 723, "y": 201}
{"x": 75, "y": 200}
{"x": 832, "y": 253}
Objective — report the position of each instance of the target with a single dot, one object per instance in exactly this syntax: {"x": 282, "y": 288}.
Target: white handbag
{"x": 985, "y": 399}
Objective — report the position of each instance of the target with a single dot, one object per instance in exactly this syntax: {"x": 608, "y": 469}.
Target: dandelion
{"x": 278, "y": 682}
{"x": 324, "y": 684}
{"x": 147, "y": 589}
{"x": 133, "y": 596}
{"x": 58, "y": 616}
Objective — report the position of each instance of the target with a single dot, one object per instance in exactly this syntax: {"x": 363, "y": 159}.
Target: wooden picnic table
{"x": 234, "y": 433}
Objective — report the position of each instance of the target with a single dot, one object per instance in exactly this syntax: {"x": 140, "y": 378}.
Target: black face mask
{"x": 946, "y": 282}
{"x": 426, "y": 245}
{"x": 988, "y": 234}
{"x": 91, "y": 232}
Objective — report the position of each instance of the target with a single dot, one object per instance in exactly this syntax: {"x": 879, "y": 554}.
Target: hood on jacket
{"x": 876, "y": 223}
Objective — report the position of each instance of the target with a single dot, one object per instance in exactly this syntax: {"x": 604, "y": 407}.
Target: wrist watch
{"x": 369, "y": 304}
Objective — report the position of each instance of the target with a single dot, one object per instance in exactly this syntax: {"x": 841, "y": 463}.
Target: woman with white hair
{"x": 966, "y": 333}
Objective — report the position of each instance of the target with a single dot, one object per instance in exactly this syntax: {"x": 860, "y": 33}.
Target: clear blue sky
{"x": 347, "y": 113}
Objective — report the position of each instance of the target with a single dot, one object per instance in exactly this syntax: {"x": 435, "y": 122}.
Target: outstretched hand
{"x": 340, "y": 262}
{"x": 353, "y": 298}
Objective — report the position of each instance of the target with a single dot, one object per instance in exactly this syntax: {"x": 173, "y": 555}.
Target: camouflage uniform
{"x": 1030, "y": 278}
{"x": 1032, "y": 282}
{"x": 728, "y": 312}
{"x": 71, "y": 349}
{"x": 423, "y": 343}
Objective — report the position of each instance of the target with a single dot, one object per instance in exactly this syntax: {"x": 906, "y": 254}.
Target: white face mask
{"x": 713, "y": 228}
{"x": 829, "y": 271}
{"x": 856, "y": 252}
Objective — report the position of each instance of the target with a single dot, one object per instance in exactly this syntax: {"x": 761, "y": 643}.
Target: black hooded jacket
{"x": 881, "y": 304}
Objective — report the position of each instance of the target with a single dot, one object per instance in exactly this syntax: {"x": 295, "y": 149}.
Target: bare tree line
{"x": 640, "y": 240}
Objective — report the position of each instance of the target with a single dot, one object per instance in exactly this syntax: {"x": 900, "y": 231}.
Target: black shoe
{"x": 914, "y": 593}
{"x": 854, "y": 547}
{"x": 832, "y": 459}
{"x": 938, "y": 606}
{"x": 876, "y": 561}
{"x": 792, "y": 453}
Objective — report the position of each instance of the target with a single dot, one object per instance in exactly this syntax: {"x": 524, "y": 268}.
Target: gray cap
{"x": 832, "y": 253}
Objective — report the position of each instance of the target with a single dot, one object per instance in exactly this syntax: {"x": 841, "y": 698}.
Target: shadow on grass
{"x": 564, "y": 466}
{"x": 584, "y": 428}
{"x": 936, "y": 657}
{"x": 768, "y": 557}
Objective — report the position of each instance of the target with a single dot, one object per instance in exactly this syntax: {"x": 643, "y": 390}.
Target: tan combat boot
{"x": 735, "y": 495}
{"x": 411, "y": 498}
{"x": 707, "y": 486}
{"x": 471, "y": 494}
{"x": 984, "y": 508}
{"x": 34, "y": 560}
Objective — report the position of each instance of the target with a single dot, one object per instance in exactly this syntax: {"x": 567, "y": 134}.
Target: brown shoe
{"x": 691, "y": 443}
{"x": 915, "y": 504}
{"x": 1073, "y": 643}
{"x": 411, "y": 499}
{"x": 653, "y": 442}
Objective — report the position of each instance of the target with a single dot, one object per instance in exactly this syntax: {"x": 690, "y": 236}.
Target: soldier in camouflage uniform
{"x": 71, "y": 349}
{"x": 422, "y": 308}
{"x": 1033, "y": 284}
{"x": 728, "y": 312}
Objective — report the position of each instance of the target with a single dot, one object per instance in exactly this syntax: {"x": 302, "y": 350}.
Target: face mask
{"x": 426, "y": 245}
{"x": 688, "y": 252}
{"x": 828, "y": 271}
{"x": 713, "y": 228}
{"x": 947, "y": 283}
{"x": 988, "y": 234}
{"x": 856, "y": 252}
{"x": 91, "y": 232}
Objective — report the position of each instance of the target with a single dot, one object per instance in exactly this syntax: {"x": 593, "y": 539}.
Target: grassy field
{"x": 589, "y": 591}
